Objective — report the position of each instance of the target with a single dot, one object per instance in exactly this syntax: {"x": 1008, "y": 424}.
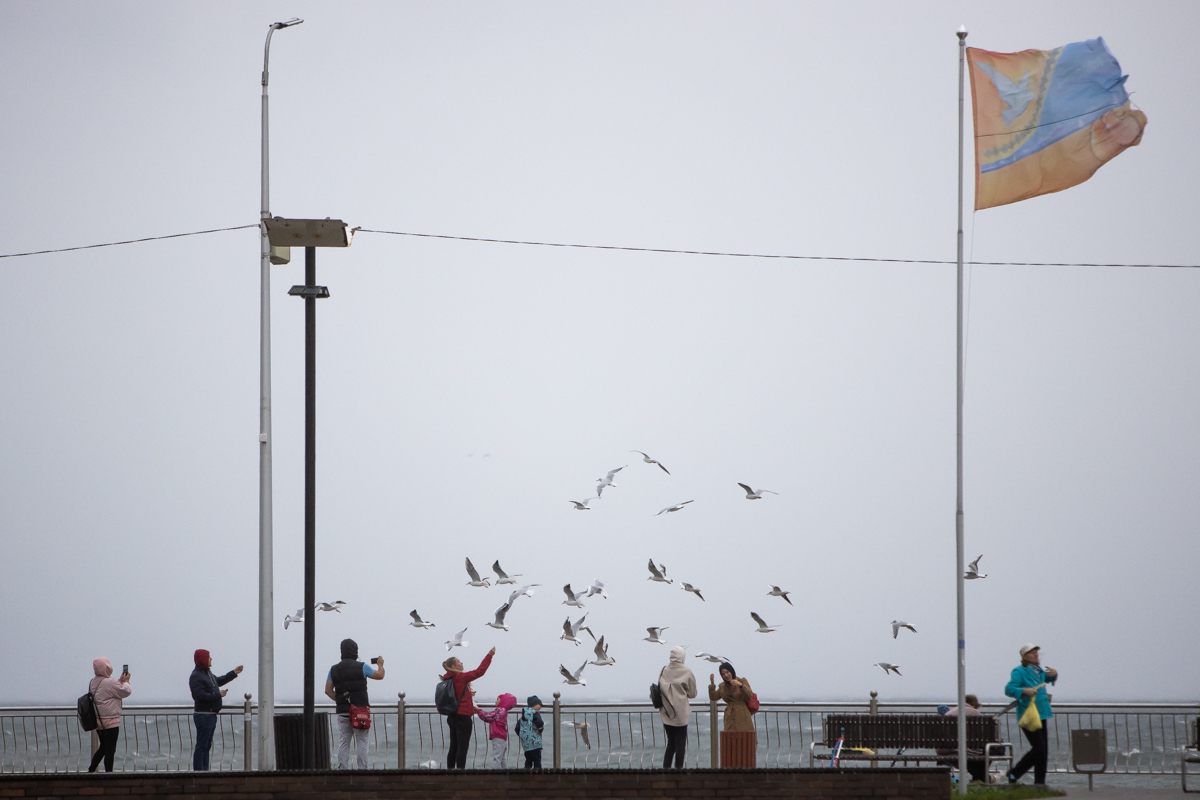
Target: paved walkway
{"x": 1127, "y": 793}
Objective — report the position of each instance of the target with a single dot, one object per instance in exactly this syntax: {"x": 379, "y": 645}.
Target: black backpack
{"x": 444, "y": 697}
{"x": 89, "y": 720}
{"x": 656, "y": 697}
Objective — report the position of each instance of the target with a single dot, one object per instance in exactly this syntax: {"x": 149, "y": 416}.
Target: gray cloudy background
{"x": 467, "y": 390}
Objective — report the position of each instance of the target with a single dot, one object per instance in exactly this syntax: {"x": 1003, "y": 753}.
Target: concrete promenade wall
{"x": 811, "y": 784}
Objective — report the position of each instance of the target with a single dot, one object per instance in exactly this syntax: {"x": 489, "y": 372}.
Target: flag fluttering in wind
{"x": 1046, "y": 120}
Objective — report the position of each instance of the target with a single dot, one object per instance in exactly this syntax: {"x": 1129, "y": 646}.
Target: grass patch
{"x": 1018, "y": 792}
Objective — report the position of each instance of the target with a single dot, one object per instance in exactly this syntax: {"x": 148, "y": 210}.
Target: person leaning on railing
{"x": 108, "y": 693}
{"x": 1028, "y": 685}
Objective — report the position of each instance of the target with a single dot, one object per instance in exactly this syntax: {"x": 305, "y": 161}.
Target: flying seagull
{"x": 457, "y": 641}
{"x": 500, "y": 612}
{"x": 973, "y": 571}
{"x": 1015, "y": 95}
{"x": 418, "y": 622}
{"x": 753, "y": 495}
{"x": 711, "y": 658}
{"x": 671, "y": 509}
{"x": 582, "y": 727}
{"x": 886, "y": 667}
{"x": 687, "y": 587}
{"x": 571, "y": 631}
{"x": 524, "y": 591}
{"x": 655, "y": 636}
{"x": 898, "y": 624}
{"x": 601, "y": 651}
{"x": 573, "y": 597}
{"x": 659, "y": 573}
{"x": 596, "y": 588}
{"x": 475, "y": 579}
{"x": 572, "y": 678}
{"x": 582, "y": 505}
{"x": 777, "y": 592}
{"x": 607, "y": 480}
{"x": 336, "y": 605}
{"x": 290, "y": 618}
{"x": 762, "y": 626}
{"x": 650, "y": 460}
{"x": 502, "y": 576}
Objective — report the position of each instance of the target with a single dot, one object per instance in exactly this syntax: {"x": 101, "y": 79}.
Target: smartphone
{"x": 125, "y": 669}
{"x": 374, "y": 660}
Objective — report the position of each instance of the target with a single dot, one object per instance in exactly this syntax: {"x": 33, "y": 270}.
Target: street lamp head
{"x": 288, "y": 24}
{"x": 962, "y": 32}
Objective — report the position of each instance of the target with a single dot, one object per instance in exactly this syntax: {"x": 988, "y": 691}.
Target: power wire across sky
{"x": 621, "y": 248}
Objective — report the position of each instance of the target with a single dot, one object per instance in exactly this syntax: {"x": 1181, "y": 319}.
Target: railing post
{"x": 557, "y": 731}
{"x": 874, "y": 713}
{"x": 402, "y": 726}
{"x": 247, "y": 735}
{"x": 713, "y": 735}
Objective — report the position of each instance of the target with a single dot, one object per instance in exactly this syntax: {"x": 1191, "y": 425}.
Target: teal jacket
{"x": 1029, "y": 676}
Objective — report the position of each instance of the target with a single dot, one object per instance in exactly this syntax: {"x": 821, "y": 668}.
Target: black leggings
{"x": 460, "y": 740}
{"x": 107, "y": 749}
{"x": 1039, "y": 752}
{"x": 676, "y": 745}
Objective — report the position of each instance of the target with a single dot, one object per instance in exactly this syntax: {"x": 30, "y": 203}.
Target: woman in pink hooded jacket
{"x": 497, "y": 721}
{"x": 108, "y": 692}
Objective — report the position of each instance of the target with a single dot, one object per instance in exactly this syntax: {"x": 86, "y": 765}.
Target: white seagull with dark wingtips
{"x": 475, "y": 579}
{"x": 499, "y": 623}
{"x": 607, "y": 480}
{"x": 573, "y": 597}
{"x": 336, "y": 605}
{"x": 573, "y": 678}
{"x": 898, "y": 624}
{"x": 973, "y": 570}
{"x": 582, "y": 505}
{"x": 418, "y": 622}
{"x": 503, "y": 577}
{"x": 886, "y": 667}
{"x": 687, "y": 587}
{"x": 571, "y": 631}
{"x": 596, "y": 588}
{"x": 582, "y": 727}
{"x": 290, "y": 618}
{"x": 763, "y": 627}
{"x": 602, "y": 658}
{"x": 674, "y": 508}
{"x": 655, "y": 636}
{"x": 650, "y": 460}
{"x": 753, "y": 495}
{"x": 777, "y": 592}
{"x": 457, "y": 641}
{"x": 710, "y": 657}
{"x": 524, "y": 591}
{"x": 659, "y": 573}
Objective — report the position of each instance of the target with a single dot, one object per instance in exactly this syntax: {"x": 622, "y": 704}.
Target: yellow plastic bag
{"x": 1031, "y": 720}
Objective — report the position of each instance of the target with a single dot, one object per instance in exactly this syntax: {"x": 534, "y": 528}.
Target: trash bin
{"x": 289, "y": 741}
{"x": 1089, "y": 752}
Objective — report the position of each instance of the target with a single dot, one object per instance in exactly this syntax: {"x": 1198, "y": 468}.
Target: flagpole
{"x": 958, "y": 514}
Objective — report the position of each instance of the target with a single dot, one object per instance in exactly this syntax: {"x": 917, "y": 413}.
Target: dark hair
{"x": 728, "y": 666}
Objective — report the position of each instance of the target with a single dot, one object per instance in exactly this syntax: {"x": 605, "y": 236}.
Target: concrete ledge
{"x": 583, "y": 784}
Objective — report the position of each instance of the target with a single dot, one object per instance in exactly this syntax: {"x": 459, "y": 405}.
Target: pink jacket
{"x": 109, "y": 692}
{"x": 497, "y": 719}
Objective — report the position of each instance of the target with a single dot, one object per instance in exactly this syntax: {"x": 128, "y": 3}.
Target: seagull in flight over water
{"x": 573, "y": 678}
{"x": 418, "y": 622}
{"x": 710, "y": 657}
{"x": 655, "y": 636}
{"x": 659, "y": 573}
{"x": 602, "y": 657}
{"x": 973, "y": 571}
{"x": 687, "y": 587}
{"x": 597, "y": 588}
{"x": 674, "y": 508}
{"x": 582, "y": 505}
{"x": 753, "y": 495}
{"x": 777, "y": 592}
{"x": 457, "y": 641}
{"x": 582, "y": 727}
{"x": 571, "y": 631}
{"x": 290, "y": 618}
{"x": 475, "y": 579}
{"x": 573, "y": 597}
{"x": 762, "y": 626}
{"x": 502, "y": 576}
{"x": 336, "y": 605}
{"x": 650, "y": 460}
{"x": 886, "y": 667}
{"x": 500, "y": 612}
{"x": 607, "y": 480}
{"x": 898, "y": 624}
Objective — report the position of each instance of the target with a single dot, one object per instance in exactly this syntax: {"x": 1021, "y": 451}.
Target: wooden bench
{"x": 905, "y": 733}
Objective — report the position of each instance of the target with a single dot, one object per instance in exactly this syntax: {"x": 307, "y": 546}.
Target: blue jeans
{"x": 205, "y": 725}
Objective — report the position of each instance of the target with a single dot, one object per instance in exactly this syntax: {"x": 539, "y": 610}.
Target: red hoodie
{"x": 465, "y": 704}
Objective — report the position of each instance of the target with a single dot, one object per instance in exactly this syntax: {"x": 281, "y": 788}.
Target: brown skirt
{"x": 739, "y": 749}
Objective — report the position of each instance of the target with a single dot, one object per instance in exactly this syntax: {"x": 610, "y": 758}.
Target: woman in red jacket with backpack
{"x": 460, "y": 724}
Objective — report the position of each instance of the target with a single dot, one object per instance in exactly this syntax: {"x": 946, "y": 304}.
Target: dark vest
{"x": 347, "y": 676}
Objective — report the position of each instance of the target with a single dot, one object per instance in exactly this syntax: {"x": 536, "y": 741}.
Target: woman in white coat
{"x": 678, "y": 686}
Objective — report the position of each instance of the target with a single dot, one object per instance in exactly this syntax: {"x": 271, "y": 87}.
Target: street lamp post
{"x": 266, "y": 558}
{"x": 309, "y": 234}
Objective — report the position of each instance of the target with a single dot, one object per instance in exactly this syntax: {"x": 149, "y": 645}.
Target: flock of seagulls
{"x": 299, "y": 615}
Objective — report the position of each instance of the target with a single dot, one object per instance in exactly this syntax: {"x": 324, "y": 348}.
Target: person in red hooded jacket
{"x": 460, "y": 724}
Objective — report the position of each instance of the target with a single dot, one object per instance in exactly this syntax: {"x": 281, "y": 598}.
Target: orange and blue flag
{"x": 1046, "y": 120}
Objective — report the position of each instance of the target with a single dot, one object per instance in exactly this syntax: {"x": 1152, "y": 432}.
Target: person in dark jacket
{"x": 460, "y": 724}
{"x": 207, "y": 694}
{"x": 529, "y": 731}
{"x": 346, "y": 685}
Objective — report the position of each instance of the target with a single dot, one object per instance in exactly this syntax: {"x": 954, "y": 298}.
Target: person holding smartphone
{"x": 207, "y": 694}
{"x": 346, "y": 685}
{"x": 108, "y": 693}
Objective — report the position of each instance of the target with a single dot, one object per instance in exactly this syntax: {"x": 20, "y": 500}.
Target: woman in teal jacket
{"x": 1028, "y": 684}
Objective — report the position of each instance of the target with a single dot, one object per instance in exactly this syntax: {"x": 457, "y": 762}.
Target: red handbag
{"x": 752, "y": 703}
{"x": 360, "y": 717}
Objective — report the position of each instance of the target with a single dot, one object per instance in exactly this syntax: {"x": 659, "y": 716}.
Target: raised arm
{"x": 479, "y": 671}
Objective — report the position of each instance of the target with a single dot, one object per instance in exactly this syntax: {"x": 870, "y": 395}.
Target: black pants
{"x": 107, "y": 749}
{"x": 1039, "y": 752}
{"x": 533, "y": 759}
{"x": 460, "y": 740}
{"x": 676, "y": 745}
{"x": 976, "y": 767}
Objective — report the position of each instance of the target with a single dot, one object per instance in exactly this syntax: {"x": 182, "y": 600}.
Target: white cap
{"x": 1029, "y": 647}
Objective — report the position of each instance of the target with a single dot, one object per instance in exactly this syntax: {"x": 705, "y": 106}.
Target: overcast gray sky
{"x": 467, "y": 391}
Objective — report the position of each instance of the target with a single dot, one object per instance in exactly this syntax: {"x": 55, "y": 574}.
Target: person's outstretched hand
{"x": 712, "y": 679}
{"x": 238, "y": 669}
{"x": 492, "y": 652}
{"x": 224, "y": 692}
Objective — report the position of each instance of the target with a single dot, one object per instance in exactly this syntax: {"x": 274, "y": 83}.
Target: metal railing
{"x": 1143, "y": 738}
